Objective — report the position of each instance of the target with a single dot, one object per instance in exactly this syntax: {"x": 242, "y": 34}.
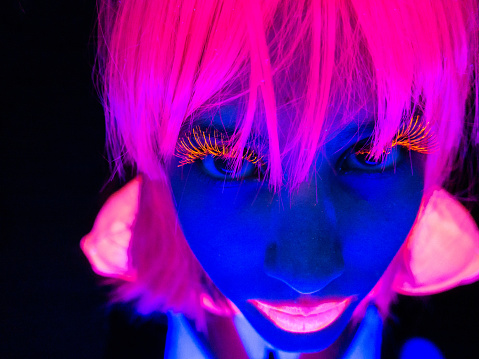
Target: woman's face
{"x": 319, "y": 250}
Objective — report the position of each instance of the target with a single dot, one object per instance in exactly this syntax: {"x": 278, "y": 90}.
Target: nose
{"x": 305, "y": 252}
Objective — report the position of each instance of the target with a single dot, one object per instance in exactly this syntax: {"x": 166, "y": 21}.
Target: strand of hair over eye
{"x": 198, "y": 144}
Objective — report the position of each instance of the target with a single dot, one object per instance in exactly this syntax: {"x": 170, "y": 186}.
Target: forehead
{"x": 346, "y": 124}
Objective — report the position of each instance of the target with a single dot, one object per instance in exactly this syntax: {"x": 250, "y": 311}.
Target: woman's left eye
{"x": 357, "y": 160}
{"x": 220, "y": 168}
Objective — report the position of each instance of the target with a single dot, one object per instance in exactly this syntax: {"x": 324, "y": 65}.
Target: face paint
{"x": 297, "y": 264}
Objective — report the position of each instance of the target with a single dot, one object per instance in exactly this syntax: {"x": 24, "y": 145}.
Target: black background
{"x": 53, "y": 169}
{"x": 53, "y": 172}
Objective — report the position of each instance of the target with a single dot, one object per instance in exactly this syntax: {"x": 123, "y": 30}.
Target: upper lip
{"x": 304, "y": 315}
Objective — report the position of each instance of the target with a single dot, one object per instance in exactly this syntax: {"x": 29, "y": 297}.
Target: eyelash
{"x": 198, "y": 144}
{"x": 414, "y": 136}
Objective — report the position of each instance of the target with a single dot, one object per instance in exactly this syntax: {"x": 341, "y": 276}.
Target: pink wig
{"x": 163, "y": 63}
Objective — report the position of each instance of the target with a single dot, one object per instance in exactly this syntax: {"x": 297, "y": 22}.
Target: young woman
{"x": 299, "y": 163}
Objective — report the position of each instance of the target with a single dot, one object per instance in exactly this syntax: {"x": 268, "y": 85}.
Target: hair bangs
{"x": 167, "y": 61}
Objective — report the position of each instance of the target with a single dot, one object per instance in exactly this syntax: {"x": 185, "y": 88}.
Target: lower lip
{"x": 296, "y": 318}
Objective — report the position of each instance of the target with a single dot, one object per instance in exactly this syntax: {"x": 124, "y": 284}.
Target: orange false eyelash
{"x": 198, "y": 144}
{"x": 414, "y": 136}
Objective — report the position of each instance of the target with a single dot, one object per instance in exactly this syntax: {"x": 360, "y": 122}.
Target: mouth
{"x": 310, "y": 316}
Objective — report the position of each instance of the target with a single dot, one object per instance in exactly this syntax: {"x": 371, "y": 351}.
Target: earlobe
{"x": 106, "y": 246}
{"x": 441, "y": 252}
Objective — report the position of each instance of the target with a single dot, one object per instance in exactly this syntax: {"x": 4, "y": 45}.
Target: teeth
{"x": 294, "y": 319}
{"x": 304, "y": 311}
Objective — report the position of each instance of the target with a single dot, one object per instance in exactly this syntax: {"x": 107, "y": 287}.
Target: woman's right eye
{"x": 220, "y": 168}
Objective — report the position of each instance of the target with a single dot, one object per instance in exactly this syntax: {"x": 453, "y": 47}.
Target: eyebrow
{"x": 223, "y": 121}
{"x": 217, "y": 117}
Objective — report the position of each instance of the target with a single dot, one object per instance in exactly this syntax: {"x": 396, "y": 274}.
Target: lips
{"x": 307, "y": 317}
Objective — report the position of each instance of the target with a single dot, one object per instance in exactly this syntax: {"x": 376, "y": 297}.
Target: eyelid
{"x": 221, "y": 173}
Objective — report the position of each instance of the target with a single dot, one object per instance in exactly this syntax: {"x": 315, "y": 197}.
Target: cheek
{"x": 221, "y": 225}
{"x": 374, "y": 224}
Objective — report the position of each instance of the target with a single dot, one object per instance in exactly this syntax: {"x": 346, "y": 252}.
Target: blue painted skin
{"x": 334, "y": 236}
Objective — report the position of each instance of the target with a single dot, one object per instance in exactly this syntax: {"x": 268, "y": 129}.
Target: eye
{"x": 357, "y": 160}
{"x": 220, "y": 168}
{"x": 213, "y": 154}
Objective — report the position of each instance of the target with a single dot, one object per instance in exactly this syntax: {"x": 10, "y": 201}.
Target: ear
{"x": 441, "y": 252}
{"x": 106, "y": 246}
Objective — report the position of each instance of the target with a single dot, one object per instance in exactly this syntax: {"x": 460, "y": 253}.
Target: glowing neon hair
{"x": 164, "y": 63}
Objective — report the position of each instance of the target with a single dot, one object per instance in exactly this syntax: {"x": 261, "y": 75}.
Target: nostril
{"x": 270, "y": 255}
